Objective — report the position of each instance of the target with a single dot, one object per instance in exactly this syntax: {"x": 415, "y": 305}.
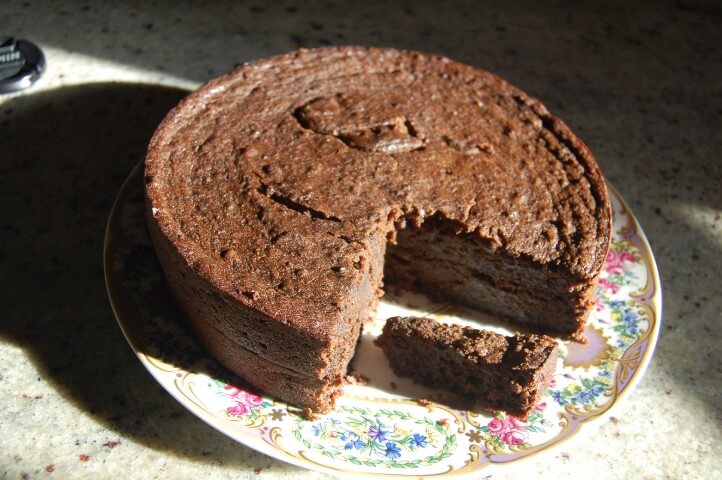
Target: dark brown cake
{"x": 272, "y": 193}
{"x": 502, "y": 373}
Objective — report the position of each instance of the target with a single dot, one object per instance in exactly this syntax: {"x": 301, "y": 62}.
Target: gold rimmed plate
{"x": 386, "y": 427}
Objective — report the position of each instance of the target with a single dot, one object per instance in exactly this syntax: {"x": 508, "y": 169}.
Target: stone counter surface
{"x": 640, "y": 82}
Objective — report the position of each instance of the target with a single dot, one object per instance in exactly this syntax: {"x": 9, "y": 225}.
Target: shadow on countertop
{"x": 65, "y": 154}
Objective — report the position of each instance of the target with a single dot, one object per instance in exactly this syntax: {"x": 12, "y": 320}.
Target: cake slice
{"x": 501, "y": 373}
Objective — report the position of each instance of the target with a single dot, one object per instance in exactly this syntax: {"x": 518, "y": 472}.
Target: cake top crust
{"x": 271, "y": 180}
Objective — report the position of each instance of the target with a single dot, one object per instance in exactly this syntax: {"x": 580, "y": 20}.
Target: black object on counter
{"x": 21, "y": 64}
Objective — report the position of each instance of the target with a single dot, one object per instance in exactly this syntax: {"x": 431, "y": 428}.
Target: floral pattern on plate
{"x": 390, "y": 426}
{"x": 392, "y": 438}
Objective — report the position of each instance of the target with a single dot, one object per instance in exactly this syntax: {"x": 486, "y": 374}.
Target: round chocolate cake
{"x": 281, "y": 195}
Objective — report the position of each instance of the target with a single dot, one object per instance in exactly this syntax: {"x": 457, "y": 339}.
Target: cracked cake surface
{"x": 274, "y": 190}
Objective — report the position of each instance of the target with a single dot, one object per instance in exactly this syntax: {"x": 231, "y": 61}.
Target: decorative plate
{"x": 387, "y": 426}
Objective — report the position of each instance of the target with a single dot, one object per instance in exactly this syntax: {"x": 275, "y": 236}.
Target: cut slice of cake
{"x": 501, "y": 373}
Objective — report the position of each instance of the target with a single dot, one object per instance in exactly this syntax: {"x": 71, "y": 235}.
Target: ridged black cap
{"x": 21, "y": 64}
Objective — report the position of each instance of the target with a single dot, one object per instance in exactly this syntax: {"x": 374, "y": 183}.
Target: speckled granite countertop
{"x": 640, "y": 83}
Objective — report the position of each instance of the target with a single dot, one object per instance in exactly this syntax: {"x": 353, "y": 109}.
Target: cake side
{"x": 458, "y": 267}
{"x": 290, "y": 365}
{"x": 502, "y": 373}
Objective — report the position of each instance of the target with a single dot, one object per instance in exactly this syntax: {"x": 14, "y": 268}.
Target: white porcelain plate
{"x": 387, "y": 427}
